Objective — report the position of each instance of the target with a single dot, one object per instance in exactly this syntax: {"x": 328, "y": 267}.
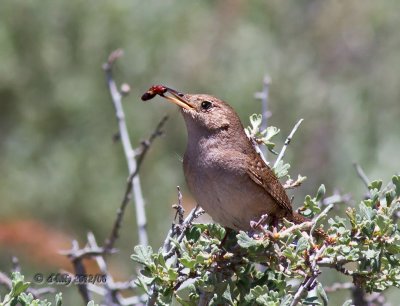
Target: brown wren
{"x": 225, "y": 174}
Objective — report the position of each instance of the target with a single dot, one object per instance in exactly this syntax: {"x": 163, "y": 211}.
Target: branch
{"x": 305, "y": 285}
{"x": 146, "y": 144}
{"x": 263, "y": 96}
{"x": 339, "y": 286}
{"x": 129, "y": 153}
{"x": 129, "y": 186}
{"x": 297, "y": 227}
{"x": 79, "y": 269}
{"x": 336, "y": 198}
{"x": 287, "y": 141}
{"x": 362, "y": 175}
{"x": 195, "y": 213}
{"x": 111, "y": 296}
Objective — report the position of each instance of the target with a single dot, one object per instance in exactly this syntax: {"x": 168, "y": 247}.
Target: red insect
{"x": 153, "y": 91}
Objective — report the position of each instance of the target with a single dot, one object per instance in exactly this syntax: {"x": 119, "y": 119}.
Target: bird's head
{"x": 202, "y": 111}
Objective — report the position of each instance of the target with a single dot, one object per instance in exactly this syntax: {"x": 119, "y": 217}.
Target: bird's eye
{"x": 206, "y": 105}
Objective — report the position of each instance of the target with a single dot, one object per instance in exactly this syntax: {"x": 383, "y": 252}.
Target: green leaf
{"x": 302, "y": 244}
{"x": 58, "y": 299}
{"x": 227, "y": 295}
{"x": 216, "y": 231}
{"x": 396, "y": 182}
{"x": 375, "y": 185}
{"x": 256, "y": 120}
{"x": 193, "y": 233}
{"x": 322, "y": 294}
{"x": 393, "y": 248}
{"x": 281, "y": 169}
{"x": 245, "y": 241}
{"x": 287, "y": 300}
{"x": 143, "y": 254}
{"x": 311, "y": 300}
{"x": 143, "y": 282}
{"x": 172, "y": 274}
{"x": 202, "y": 257}
{"x": 320, "y": 193}
{"x": 366, "y": 212}
{"x": 369, "y": 254}
{"x": 270, "y": 132}
{"x": 187, "y": 262}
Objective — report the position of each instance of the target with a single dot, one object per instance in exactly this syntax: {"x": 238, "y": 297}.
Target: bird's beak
{"x": 178, "y": 98}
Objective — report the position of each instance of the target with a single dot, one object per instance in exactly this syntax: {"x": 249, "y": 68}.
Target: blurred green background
{"x": 335, "y": 64}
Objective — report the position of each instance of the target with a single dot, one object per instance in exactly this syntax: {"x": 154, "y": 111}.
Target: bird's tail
{"x": 297, "y": 218}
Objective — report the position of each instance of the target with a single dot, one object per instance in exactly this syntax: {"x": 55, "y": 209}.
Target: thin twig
{"x": 338, "y": 286}
{"x": 180, "y": 211}
{"x": 265, "y": 114}
{"x": 152, "y": 297}
{"x": 195, "y": 213}
{"x": 79, "y": 269}
{"x": 307, "y": 283}
{"x": 175, "y": 228}
{"x": 297, "y": 227}
{"x": 336, "y": 198}
{"x": 287, "y": 141}
{"x": 146, "y": 144}
{"x": 126, "y": 143}
{"x": 111, "y": 296}
{"x": 129, "y": 186}
{"x": 362, "y": 174}
{"x": 5, "y": 281}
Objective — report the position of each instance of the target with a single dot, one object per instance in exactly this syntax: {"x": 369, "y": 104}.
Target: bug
{"x": 153, "y": 91}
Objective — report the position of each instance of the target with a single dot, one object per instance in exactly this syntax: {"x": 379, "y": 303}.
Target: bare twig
{"x": 362, "y": 174}
{"x": 152, "y": 297}
{"x": 297, "y": 227}
{"x": 111, "y": 296}
{"x": 145, "y": 145}
{"x": 263, "y": 96}
{"x": 129, "y": 186}
{"x": 336, "y": 198}
{"x": 195, "y": 213}
{"x": 180, "y": 211}
{"x": 287, "y": 141}
{"x": 305, "y": 285}
{"x": 126, "y": 143}
{"x": 79, "y": 269}
{"x": 338, "y": 286}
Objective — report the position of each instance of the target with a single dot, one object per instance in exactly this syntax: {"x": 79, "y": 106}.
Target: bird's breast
{"x": 220, "y": 184}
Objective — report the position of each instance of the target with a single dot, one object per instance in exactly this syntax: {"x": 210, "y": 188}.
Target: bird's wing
{"x": 261, "y": 174}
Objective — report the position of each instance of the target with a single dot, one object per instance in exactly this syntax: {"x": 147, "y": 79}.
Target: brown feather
{"x": 262, "y": 175}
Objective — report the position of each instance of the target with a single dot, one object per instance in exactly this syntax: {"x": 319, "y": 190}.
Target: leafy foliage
{"x": 227, "y": 268}
{"x": 280, "y": 266}
{"x": 18, "y": 295}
